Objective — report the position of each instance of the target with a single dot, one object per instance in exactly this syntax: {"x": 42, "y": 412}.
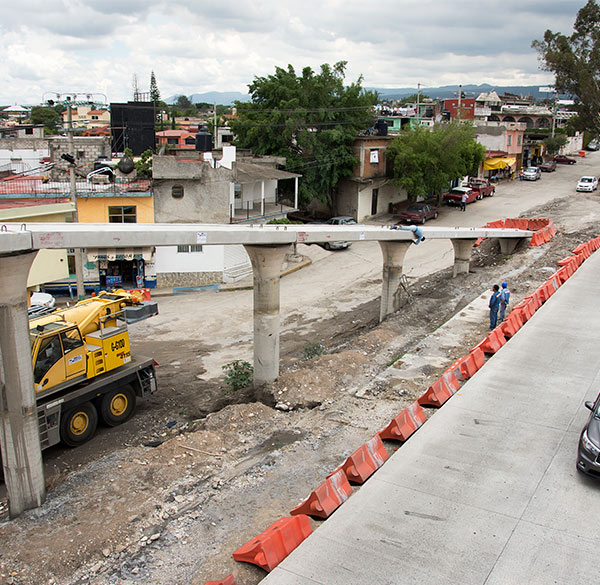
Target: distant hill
{"x": 226, "y": 98}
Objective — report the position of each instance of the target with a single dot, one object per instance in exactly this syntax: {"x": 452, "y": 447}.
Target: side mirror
{"x": 589, "y": 405}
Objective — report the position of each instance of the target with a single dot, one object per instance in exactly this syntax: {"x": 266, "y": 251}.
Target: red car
{"x": 419, "y": 213}
{"x": 485, "y": 188}
{"x": 454, "y": 196}
{"x": 565, "y": 160}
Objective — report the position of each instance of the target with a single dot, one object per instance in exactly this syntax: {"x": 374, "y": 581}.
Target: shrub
{"x": 312, "y": 350}
{"x": 238, "y": 374}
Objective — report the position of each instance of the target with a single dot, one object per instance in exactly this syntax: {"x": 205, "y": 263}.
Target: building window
{"x": 519, "y": 140}
{"x": 509, "y": 140}
{"x": 172, "y": 141}
{"x": 28, "y": 130}
{"x": 177, "y": 191}
{"x": 122, "y": 214}
{"x": 80, "y": 153}
{"x": 187, "y": 248}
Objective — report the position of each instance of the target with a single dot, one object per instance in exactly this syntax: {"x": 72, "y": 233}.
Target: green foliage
{"x": 424, "y": 161}
{"x": 312, "y": 350}
{"x": 49, "y": 117}
{"x": 575, "y": 61}
{"x": 154, "y": 92}
{"x": 412, "y": 99}
{"x": 282, "y": 221}
{"x": 143, "y": 165}
{"x": 311, "y": 119}
{"x": 184, "y": 103}
{"x": 553, "y": 144}
{"x": 238, "y": 374}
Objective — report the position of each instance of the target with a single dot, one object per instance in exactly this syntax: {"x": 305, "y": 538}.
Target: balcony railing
{"x": 37, "y": 187}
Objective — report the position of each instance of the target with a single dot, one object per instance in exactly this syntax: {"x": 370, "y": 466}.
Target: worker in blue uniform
{"x": 494, "y": 305}
{"x": 504, "y": 300}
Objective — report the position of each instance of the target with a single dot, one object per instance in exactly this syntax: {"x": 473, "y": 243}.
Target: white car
{"x": 587, "y": 184}
{"x": 532, "y": 174}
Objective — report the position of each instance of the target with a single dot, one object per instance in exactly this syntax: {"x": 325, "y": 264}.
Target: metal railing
{"x": 38, "y": 187}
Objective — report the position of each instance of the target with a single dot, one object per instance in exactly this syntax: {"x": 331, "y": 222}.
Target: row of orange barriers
{"x": 273, "y": 545}
{"x": 543, "y": 228}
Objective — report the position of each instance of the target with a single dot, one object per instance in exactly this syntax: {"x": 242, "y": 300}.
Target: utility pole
{"x": 418, "y": 103}
{"x": 215, "y": 125}
{"x": 73, "y": 185}
{"x": 459, "y": 101}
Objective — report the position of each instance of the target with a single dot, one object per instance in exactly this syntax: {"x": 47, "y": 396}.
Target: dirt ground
{"x": 167, "y": 497}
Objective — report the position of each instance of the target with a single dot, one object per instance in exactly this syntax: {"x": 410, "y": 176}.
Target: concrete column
{"x": 393, "y": 260}
{"x": 508, "y": 245}
{"x": 266, "y": 261}
{"x": 21, "y": 451}
{"x": 462, "y": 255}
{"x": 295, "y": 192}
{"x": 262, "y": 198}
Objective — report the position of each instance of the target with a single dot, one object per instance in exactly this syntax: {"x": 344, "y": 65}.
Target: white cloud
{"x": 85, "y": 45}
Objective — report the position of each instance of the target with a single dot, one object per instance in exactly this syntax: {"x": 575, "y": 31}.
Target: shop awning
{"x": 95, "y": 254}
{"x": 494, "y": 163}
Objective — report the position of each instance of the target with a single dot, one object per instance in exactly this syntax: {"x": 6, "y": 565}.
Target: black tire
{"x": 423, "y": 220}
{"x": 435, "y": 215}
{"x": 78, "y": 424}
{"x": 327, "y": 246}
{"x": 117, "y": 406}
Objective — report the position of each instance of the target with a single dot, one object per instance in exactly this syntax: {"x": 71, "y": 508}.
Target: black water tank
{"x": 203, "y": 140}
{"x": 381, "y": 127}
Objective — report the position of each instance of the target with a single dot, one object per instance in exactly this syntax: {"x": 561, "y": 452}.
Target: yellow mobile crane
{"x": 83, "y": 368}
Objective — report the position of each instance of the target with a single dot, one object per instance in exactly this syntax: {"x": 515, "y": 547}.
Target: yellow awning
{"x": 491, "y": 164}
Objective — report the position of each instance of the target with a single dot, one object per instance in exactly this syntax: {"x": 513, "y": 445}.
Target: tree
{"x": 553, "y": 144}
{"x": 413, "y": 99}
{"x": 575, "y": 62}
{"x": 154, "y": 92}
{"x": 46, "y": 116}
{"x": 311, "y": 119}
{"x": 424, "y": 161}
{"x": 184, "y": 102}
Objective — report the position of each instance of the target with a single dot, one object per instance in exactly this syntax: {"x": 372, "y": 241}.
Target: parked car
{"x": 588, "y": 453}
{"x": 593, "y": 144}
{"x": 454, "y": 196}
{"x": 40, "y": 304}
{"x": 548, "y": 167}
{"x": 532, "y": 174}
{"x": 587, "y": 184}
{"x": 419, "y": 213}
{"x": 485, "y": 188}
{"x": 337, "y": 244}
{"x": 341, "y": 220}
{"x": 564, "y": 160}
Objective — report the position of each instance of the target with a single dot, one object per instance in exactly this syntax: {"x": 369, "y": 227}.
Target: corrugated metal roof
{"x": 251, "y": 173}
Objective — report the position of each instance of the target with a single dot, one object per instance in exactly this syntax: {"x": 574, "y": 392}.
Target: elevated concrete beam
{"x": 508, "y": 245}
{"x": 21, "y": 450}
{"x": 266, "y": 264}
{"x": 462, "y": 255}
{"x": 393, "y": 260}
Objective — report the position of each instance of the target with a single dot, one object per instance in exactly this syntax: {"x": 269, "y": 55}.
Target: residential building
{"x": 86, "y": 116}
{"x": 504, "y": 145}
{"x": 463, "y": 108}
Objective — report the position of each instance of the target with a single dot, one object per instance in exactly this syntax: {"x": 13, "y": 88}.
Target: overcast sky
{"x": 194, "y": 46}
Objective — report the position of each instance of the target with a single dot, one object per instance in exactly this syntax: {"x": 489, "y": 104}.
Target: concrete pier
{"x": 393, "y": 260}
{"x": 462, "y": 255}
{"x": 21, "y": 451}
{"x": 266, "y": 263}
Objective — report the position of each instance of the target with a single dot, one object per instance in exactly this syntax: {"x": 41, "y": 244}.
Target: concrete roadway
{"x": 486, "y": 492}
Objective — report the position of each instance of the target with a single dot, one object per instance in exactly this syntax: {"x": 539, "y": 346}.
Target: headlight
{"x": 589, "y": 445}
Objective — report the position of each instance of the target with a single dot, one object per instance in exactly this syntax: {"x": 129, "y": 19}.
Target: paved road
{"x": 486, "y": 492}
{"x": 312, "y": 293}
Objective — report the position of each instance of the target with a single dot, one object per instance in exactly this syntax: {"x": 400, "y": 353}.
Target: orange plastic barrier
{"x": 499, "y": 223}
{"x": 466, "y": 366}
{"x": 478, "y": 357}
{"x": 270, "y": 547}
{"x": 145, "y": 292}
{"x": 365, "y": 461}
{"x": 229, "y": 580}
{"x": 438, "y": 392}
{"x": 515, "y": 223}
{"x": 537, "y": 223}
{"x": 405, "y": 424}
{"x": 538, "y": 238}
{"x": 493, "y": 342}
{"x": 512, "y": 324}
{"x": 535, "y": 300}
{"x": 566, "y": 261}
{"x": 583, "y": 249}
{"x": 329, "y": 496}
{"x": 551, "y": 229}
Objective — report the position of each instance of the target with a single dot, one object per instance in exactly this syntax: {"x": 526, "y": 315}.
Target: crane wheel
{"x": 117, "y": 406}
{"x": 78, "y": 425}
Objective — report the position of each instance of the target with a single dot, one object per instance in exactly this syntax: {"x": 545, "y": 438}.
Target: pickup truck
{"x": 483, "y": 186}
{"x": 454, "y": 196}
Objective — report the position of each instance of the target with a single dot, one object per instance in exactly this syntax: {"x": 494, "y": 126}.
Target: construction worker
{"x": 494, "y": 305}
{"x": 504, "y": 300}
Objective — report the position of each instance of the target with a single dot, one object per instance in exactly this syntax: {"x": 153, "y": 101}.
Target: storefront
{"x": 124, "y": 268}
{"x": 500, "y": 167}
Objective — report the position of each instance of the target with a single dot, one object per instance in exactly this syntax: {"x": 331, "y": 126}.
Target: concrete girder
{"x": 462, "y": 255}
{"x": 393, "y": 261}
{"x": 266, "y": 264}
{"x": 508, "y": 245}
{"x": 21, "y": 450}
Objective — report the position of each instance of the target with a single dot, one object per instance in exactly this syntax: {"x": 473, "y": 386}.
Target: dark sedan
{"x": 564, "y": 160}
{"x": 588, "y": 456}
{"x": 548, "y": 166}
{"x": 419, "y": 213}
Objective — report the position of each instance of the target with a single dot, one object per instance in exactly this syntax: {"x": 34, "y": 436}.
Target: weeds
{"x": 312, "y": 350}
{"x": 238, "y": 374}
